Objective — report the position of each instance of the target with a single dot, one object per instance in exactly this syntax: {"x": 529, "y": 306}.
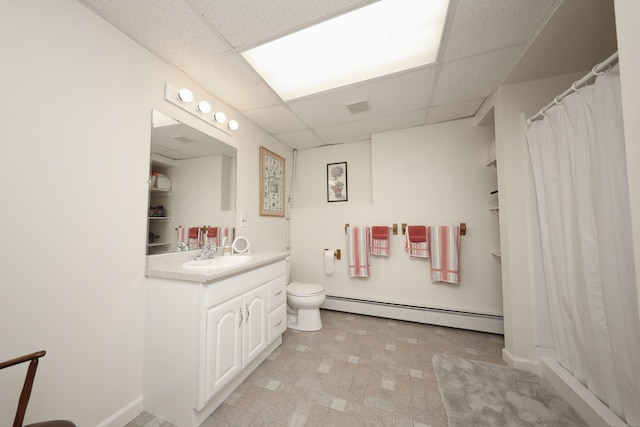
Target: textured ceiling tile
{"x": 480, "y": 26}
{"x": 362, "y": 130}
{"x": 275, "y": 120}
{"x": 167, "y": 28}
{"x": 231, "y": 80}
{"x": 249, "y": 22}
{"x": 454, "y": 111}
{"x": 300, "y": 139}
{"x": 401, "y": 92}
{"x": 474, "y": 77}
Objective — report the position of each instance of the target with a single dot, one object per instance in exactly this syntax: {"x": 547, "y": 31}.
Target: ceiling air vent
{"x": 358, "y": 105}
{"x": 182, "y": 139}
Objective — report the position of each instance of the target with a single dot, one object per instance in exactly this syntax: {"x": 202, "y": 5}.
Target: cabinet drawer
{"x": 276, "y": 323}
{"x": 276, "y": 292}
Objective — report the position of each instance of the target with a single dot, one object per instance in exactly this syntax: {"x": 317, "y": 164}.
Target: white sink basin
{"x": 219, "y": 262}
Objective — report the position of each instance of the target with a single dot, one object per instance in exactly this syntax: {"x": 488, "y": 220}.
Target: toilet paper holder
{"x": 336, "y": 253}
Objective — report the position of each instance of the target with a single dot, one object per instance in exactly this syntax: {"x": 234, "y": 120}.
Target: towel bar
{"x": 393, "y": 228}
{"x": 463, "y": 229}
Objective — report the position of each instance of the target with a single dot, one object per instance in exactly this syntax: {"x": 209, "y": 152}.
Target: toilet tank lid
{"x": 299, "y": 288}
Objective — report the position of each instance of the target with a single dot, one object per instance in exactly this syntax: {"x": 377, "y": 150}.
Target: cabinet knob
{"x": 247, "y": 306}
{"x": 241, "y": 317}
{"x": 278, "y": 293}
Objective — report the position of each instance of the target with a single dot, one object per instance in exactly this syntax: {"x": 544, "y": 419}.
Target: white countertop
{"x": 169, "y": 266}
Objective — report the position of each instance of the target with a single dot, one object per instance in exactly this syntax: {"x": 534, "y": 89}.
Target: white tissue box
{"x": 163, "y": 182}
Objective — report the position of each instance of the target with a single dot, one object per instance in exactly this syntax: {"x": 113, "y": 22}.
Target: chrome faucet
{"x": 182, "y": 246}
{"x": 207, "y": 253}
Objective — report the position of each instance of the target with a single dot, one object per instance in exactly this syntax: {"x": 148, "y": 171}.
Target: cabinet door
{"x": 223, "y": 359}
{"x": 255, "y": 326}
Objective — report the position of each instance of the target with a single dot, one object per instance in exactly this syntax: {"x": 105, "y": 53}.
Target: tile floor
{"x": 356, "y": 371}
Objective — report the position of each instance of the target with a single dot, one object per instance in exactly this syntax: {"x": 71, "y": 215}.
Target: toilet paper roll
{"x": 328, "y": 261}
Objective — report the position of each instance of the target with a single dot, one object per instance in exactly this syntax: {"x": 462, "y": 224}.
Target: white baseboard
{"x": 432, "y": 316}
{"x": 589, "y": 407}
{"x": 125, "y": 414}
{"x": 529, "y": 365}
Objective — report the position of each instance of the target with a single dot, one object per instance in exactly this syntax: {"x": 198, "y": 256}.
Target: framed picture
{"x": 337, "y": 182}
{"x": 271, "y": 183}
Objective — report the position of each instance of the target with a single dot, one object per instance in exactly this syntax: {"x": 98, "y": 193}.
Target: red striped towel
{"x": 211, "y": 236}
{"x": 416, "y": 241}
{"x": 358, "y": 251}
{"x": 445, "y": 253}
{"x": 380, "y": 240}
{"x": 194, "y": 238}
{"x": 228, "y": 232}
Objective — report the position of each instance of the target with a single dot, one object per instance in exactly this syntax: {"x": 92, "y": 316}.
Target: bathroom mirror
{"x": 240, "y": 245}
{"x": 192, "y": 184}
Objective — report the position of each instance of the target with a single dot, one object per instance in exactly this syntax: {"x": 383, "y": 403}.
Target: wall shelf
{"x": 159, "y": 218}
{"x": 151, "y": 245}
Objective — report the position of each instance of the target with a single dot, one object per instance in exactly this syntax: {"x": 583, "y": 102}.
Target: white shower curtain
{"x": 578, "y": 160}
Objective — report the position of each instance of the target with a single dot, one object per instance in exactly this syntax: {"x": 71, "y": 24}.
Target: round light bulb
{"x": 204, "y": 107}
{"x": 233, "y": 125}
{"x": 220, "y": 117}
{"x": 185, "y": 95}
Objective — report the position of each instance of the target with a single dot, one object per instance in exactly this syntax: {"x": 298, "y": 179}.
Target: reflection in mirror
{"x": 192, "y": 188}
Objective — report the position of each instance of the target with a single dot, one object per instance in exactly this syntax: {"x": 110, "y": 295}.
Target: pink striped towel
{"x": 445, "y": 253}
{"x": 417, "y": 242}
{"x": 380, "y": 240}
{"x": 229, "y": 233}
{"x": 189, "y": 235}
{"x": 358, "y": 239}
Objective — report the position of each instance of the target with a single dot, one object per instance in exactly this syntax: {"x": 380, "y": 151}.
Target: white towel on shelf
{"x": 358, "y": 250}
{"x": 445, "y": 253}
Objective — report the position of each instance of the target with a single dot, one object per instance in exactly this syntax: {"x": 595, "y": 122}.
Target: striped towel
{"x": 228, "y": 232}
{"x": 190, "y": 236}
{"x": 417, "y": 243}
{"x": 380, "y": 240}
{"x": 211, "y": 236}
{"x": 194, "y": 238}
{"x": 358, "y": 239}
{"x": 445, "y": 253}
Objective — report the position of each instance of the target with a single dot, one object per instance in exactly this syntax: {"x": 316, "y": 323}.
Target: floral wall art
{"x": 337, "y": 182}
{"x": 272, "y": 169}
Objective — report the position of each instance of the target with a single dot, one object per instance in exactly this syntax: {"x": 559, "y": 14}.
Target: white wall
{"x": 431, "y": 175}
{"x": 526, "y": 324}
{"x": 627, "y": 12}
{"x": 76, "y": 113}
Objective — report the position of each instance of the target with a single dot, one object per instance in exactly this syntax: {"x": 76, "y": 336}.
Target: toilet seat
{"x": 300, "y": 289}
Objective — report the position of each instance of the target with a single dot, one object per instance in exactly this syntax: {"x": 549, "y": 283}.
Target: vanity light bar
{"x": 183, "y": 98}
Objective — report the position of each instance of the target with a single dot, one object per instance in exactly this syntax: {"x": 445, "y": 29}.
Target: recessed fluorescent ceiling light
{"x": 379, "y": 39}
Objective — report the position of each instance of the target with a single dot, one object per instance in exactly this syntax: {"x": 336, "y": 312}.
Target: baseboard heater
{"x": 433, "y": 316}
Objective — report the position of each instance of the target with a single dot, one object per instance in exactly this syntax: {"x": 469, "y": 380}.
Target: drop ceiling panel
{"x": 474, "y": 77}
{"x": 362, "y": 130}
{"x": 167, "y": 28}
{"x": 300, "y": 140}
{"x": 245, "y": 23}
{"x": 481, "y": 26}
{"x": 276, "y": 119}
{"x": 235, "y": 83}
{"x": 390, "y": 95}
{"x": 445, "y": 113}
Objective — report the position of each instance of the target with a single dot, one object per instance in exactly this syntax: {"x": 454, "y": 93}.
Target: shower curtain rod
{"x": 575, "y": 86}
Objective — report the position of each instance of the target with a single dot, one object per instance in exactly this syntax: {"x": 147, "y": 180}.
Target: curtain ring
{"x": 542, "y": 112}
{"x": 575, "y": 87}
{"x": 556, "y": 100}
{"x": 599, "y": 73}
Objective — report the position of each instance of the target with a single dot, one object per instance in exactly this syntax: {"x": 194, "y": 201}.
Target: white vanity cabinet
{"x": 236, "y": 334}
{"x": 203, "y": 339}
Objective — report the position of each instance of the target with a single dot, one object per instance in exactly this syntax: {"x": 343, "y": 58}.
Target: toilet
{"x": 303, "y": 304}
